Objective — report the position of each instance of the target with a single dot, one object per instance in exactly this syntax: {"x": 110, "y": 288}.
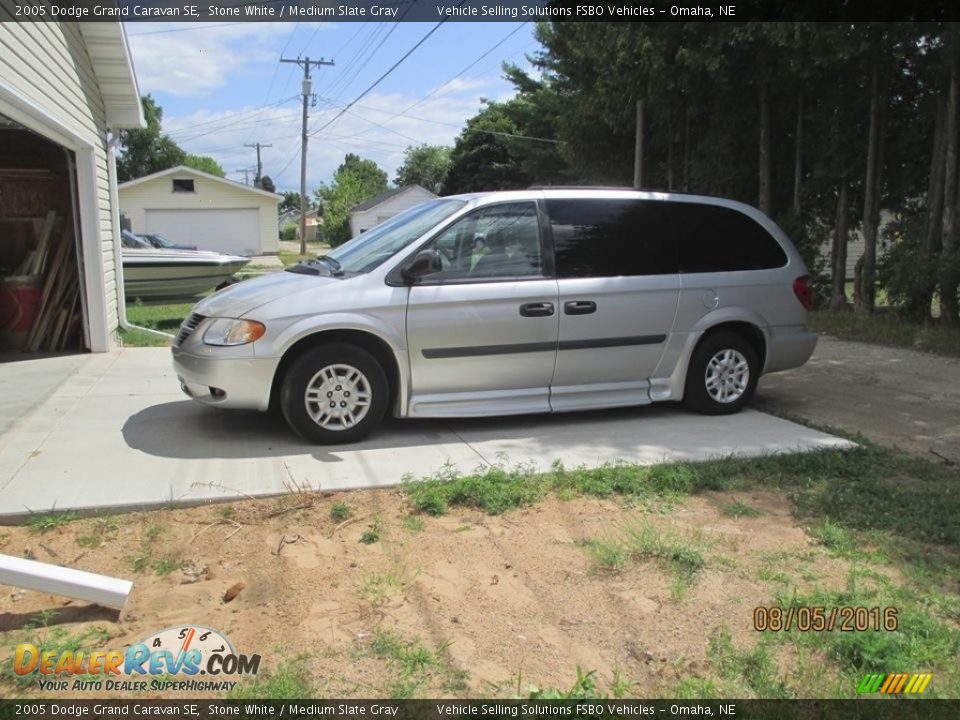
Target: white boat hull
{"x": 175, "y": 274}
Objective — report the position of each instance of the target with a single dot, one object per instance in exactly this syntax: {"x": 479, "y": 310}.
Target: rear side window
{"x": 610, "y": 238}
{"x": 712, "y": 238}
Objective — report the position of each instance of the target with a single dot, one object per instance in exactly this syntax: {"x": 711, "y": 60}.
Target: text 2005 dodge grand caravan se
{"x": 510, "y": 302}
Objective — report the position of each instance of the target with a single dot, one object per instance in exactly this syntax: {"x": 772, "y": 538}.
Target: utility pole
{"x": 246, "y": 175}
{"x": 306, "y": 88}
{"x": 256, "y": 178}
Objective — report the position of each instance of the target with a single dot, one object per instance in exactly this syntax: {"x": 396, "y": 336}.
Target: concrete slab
{"x": 113, "y": 431}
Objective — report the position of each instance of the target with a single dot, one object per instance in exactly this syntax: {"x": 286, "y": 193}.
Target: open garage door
{"x": 42, "y": 302}
{"x": 236, "y": 232}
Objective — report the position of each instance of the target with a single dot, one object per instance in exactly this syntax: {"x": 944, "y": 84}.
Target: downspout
{"x": 125, "y": 324}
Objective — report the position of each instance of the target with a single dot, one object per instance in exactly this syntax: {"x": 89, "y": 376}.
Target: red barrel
{"x": 20, "y": 297}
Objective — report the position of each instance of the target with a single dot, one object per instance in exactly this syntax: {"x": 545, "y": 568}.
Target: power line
{"x": 381, "y": 78}
{"x": 188, "y": 29}
{"x": 228, "y": 118}
{"x": 462, "y": 72}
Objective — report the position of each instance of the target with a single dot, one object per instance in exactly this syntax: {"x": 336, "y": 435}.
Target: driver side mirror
{"x": 425, "y": 262}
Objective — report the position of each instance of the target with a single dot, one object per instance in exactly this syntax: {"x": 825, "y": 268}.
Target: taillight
{"x": 803, "y": 291}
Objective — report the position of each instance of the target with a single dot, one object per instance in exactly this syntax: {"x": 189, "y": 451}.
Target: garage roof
{"x": 107, "y": 46}
{"x": 184, "y": 170}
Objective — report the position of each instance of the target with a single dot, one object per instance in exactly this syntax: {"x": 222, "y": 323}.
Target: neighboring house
{"x": 855, "y": 245}
{"x": 314, "y": 223}
{"x": 192, "y": 207}
{"x": 384, "y": 206}
{"x": 66, "y": 88}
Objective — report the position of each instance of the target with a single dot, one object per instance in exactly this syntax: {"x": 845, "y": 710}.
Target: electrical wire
{"x": 381, "y": 78}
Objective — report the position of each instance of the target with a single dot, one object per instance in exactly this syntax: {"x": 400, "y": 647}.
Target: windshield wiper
{"x": 336, "y": 269}
{"x": 321, "y": 265}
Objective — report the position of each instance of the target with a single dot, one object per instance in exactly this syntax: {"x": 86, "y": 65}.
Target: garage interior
{"x": 42, "y": 306}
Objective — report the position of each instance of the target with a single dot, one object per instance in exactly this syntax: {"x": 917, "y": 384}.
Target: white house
{"x": 65, "y": 89}
{"x": 196, "y": 208}
{"x": 384, "y": 206}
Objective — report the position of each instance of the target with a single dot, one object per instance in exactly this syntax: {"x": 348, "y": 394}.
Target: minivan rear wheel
{"x": 722, "y": 375}
{"x": 335, "y": 393}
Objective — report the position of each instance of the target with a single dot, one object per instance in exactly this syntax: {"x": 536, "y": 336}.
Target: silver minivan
{"x": 503, "y": 303}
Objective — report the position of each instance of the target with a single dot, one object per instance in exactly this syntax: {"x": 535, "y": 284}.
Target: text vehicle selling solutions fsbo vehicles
{"x": 506, "y": 303}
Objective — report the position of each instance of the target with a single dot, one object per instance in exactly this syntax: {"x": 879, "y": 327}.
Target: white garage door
{"x": 236, "y": 232}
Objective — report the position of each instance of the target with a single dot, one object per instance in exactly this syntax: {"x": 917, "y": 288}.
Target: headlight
{"x": 227, "y": 331}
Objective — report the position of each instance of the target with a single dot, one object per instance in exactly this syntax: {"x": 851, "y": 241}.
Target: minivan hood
{"x": 243, "y": 297}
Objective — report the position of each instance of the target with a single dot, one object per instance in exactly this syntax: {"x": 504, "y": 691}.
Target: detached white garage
{"x": 191, "y": 207}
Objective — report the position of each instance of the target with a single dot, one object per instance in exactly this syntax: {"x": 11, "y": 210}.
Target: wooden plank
{"x": 56, "y": 580}
{"x": 39, "y": 263}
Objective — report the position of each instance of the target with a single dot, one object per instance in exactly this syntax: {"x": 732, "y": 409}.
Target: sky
{"x": 221, "y": 87}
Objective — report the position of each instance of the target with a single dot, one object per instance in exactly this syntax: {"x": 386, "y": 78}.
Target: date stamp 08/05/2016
{"x": 807, "y": 618}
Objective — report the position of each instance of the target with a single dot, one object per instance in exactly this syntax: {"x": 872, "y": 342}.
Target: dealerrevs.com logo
{"x": 172, "y": 659}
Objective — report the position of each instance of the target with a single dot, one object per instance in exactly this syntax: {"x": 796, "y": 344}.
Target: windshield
{"x": 160, "y": 241}
{"x": 376, "y": 246}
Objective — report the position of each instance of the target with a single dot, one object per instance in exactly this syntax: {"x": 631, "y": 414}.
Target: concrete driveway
{"x": 90, "y": 432}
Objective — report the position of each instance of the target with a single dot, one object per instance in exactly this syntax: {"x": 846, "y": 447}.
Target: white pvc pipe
{"x": 56, "y": 580}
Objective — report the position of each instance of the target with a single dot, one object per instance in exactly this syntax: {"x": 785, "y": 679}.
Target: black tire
{"x": 696, "y": 394}
{"x": 306, "y": 370}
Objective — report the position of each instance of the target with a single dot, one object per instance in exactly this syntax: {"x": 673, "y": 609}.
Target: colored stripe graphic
{"x": 870, "y": 683}
{"x": 895, "y": 683}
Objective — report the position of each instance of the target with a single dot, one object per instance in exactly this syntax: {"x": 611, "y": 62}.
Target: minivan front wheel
{"x": 722, "y": 375}
{"x": 335, "y": 393}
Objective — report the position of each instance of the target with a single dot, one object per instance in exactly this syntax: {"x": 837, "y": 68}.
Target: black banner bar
{"x": 200, "y": 709}
{"x": 477, "y": 10}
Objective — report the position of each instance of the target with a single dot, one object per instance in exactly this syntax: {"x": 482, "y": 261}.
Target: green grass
{"x": 44, "y": 522}
{"x": 374, "y": 531}
{"x": 745, "y": 673}
{"x": 414, "y": 666}
{"x": 682, "y": 555}
{"x": 413, "y": 524}
{"x": 292, "y": 258}
{"x": 886, "y": 328}
{"x": 340, "y": 511}
{"x": 737, "y": 510}
{"x": 290, "y": 681}
{"x": 164, "y": 318}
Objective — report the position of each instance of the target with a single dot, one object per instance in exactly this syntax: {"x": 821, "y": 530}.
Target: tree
{"x": 204, "y": 163}
{"x": 354, "y": 181}
{"x": 147, "y": 150}
{"x": 481, "y": 159}
{"x": 291, "y": 201}
{"x": 424, "y": 165}
{"x": 266, "y": 183}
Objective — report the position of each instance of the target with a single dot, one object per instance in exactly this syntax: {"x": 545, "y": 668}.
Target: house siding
{"x": 48, "y": 63}
{"x": 366, "y": 219}
{"x": 157, "y": 194}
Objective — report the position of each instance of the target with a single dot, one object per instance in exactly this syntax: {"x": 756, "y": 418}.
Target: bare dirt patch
{"x": 497, "y": 602}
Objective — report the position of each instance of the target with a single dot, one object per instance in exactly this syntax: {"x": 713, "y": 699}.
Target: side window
{"x": 498, "y": 241}
{"x": 611, "y": 238}
{"x": 712, "y": 238}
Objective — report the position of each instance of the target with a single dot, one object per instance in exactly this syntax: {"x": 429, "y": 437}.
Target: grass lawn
{"x": 165, "y": 318}
{"x": 885, "y": 328}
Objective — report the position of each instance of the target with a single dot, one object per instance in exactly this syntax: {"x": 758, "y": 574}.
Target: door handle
{"x": 541, "y": 309}
{"x": 579, "y": 307}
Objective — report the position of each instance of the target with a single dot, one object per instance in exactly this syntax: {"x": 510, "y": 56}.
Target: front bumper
{"x": 789, "y": 347}
{"x": 220, "y": 376}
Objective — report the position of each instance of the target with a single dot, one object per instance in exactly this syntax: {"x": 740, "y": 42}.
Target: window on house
{"x": 183, "y": 186}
